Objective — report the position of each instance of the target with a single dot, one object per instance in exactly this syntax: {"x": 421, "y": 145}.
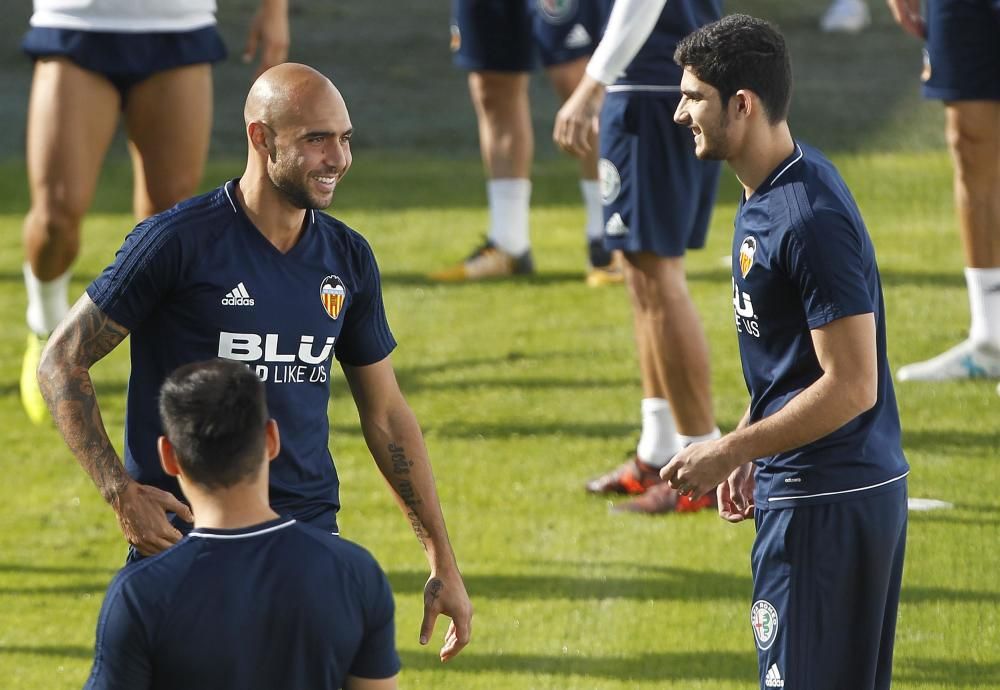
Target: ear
{"x": 257, "y": 133}
{"x": 168, "y": 458}
{"x": 272, "y": 439}
{"x": 742, "y": 104}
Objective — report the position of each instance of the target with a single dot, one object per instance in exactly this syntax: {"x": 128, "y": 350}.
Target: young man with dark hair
{"x": 248, "y": 599}
{"x": 254, "y": 272}
{"x": 829, "y": 491}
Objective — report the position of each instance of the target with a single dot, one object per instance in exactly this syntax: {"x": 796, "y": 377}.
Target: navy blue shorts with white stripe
{"x": 826, "y": 590}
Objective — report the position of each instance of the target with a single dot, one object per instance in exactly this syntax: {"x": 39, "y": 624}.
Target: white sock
{"x": 509, "y": 199}
{"x": 658, "y": 441}
{"x": 48, "y": 301}
{"x": 590, "y": 190}
{"x": 984, "y": 304}
{"x": 686, "y": 441}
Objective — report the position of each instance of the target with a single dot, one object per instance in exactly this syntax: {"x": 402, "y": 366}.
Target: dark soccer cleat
{"x": 663, "y": 498}
{"x": 633, "y": 477}
{"x": 487, "y": 261}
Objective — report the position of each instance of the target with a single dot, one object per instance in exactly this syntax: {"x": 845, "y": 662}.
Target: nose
{"x": 337, "y": 155}
{"x": 681, "y": 116}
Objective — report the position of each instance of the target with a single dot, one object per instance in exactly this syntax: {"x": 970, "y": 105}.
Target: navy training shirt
{"x": 802, "y": 258}
{"x": 654, "y": 64}
{"x": 280, "y": 604}
{"x": 200, "y": 281}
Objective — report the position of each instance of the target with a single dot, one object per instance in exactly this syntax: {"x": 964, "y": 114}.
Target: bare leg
{"x": 169, "y": 123}
{"x": 973, "y": 132}
{"x": 506, "y": 140}
{"x": 673, "y": 351}
{"x": 972, "y": 129}
{"x": 72, "y": 115}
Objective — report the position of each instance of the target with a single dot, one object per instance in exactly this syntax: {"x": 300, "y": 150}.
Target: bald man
{"x": 253, "y": 272}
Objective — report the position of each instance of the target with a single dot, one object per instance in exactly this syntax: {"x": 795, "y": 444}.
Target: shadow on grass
{"x": 646, "y": 667}
{"x": 70, "y": 651}
{"x": 54, "y": 569}
{"x": 947, "y": 672}
{"x": 892, "y": 278}
{"x": 412, "y": 385}
{"x": 94, "y": 588}
{"x": 513, "y": 429}
{"x": 942, "y": 440}
{"x": 672, "y": 584}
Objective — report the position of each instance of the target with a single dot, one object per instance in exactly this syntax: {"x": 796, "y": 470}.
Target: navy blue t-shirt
{"x": 277, "y": 605}
{"x": 201, "y": 281}
{"x": 654, "y": 64}
{"x": 802, "y": 258}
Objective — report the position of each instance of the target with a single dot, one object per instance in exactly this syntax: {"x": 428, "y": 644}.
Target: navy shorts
{"x": 515, "y": 35}
{"x": 962, "y": 57}
{"x": 826, "y": 582}
{"x": 125, "y": 59}
{"x": 657, "y": 195}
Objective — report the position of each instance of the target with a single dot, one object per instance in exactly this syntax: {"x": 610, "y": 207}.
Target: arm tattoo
{"x": 407, "y": 492}
{"x": 85, "y": 336}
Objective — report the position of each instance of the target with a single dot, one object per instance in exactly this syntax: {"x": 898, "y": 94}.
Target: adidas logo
{"x": 238, "y": 297}
{"x": 773, "y": 678}
{"x": 578, "y": 37}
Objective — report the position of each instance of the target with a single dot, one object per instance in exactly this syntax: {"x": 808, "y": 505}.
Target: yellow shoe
{"x": 606, "y": 268}
{"x": 31, "y": 395}
{"x": 486, "y": 262}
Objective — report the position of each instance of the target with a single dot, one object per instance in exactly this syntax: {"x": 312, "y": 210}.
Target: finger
{"x": 172, "y": 504}
{"x": 456, "y": 640}
{"x": 670, "y": 470}
{"x": 251, "y": 47}
{"x": 427, "y": 625}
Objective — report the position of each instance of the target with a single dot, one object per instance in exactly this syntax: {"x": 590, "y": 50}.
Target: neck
{"x": 761, "y": 154}
{"x": 234, "y": 507}
{"x": 272, "y": 214}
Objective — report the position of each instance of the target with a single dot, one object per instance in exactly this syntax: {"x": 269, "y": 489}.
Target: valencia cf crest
{"x": 332, "y": 293}
{"x": 747, "y": 250}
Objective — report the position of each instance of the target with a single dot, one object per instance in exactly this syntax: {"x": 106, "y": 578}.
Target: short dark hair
{"x": 214, "y": 414}
{"x": 741, "y": 52}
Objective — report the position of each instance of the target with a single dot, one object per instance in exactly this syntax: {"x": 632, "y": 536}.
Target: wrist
{"x": 113, "y": 489}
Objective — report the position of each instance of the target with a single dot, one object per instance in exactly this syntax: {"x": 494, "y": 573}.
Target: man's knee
{"x": 974, "y": 139}
{"x": 54, "y": 220}
{"x": 654, "y": 281}
{"x": 499, "y": 94}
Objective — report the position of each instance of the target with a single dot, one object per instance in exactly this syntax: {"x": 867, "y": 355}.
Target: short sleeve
{"x": 825, "y": 257}
{"x": 145, "y": 269}
{"x": 121, "y": 655}
{"x": 377, "y": 656}
{"x": 365, "y": 338}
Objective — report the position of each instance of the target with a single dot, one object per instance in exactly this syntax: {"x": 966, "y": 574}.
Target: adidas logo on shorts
{"x": 773, "y": 678}
{"x": 238, "y": 297}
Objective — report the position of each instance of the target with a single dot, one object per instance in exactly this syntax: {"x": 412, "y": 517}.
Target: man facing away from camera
{"x": 249, "y": 599}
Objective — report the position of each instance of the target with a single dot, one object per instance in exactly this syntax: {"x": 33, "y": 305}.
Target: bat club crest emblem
{"x": 747, "y": 250}
{"x": 332, "y": 294}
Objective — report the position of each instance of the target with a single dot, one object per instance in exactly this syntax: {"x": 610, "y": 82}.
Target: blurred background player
{"x": 962, "y": 68}
{"x": 148, "y": 62}
{"x": 499, "y": 42}
{"x": 817, "y": 460}
{"x": 249, "y": 599}
{"x": 657, "y": 199}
